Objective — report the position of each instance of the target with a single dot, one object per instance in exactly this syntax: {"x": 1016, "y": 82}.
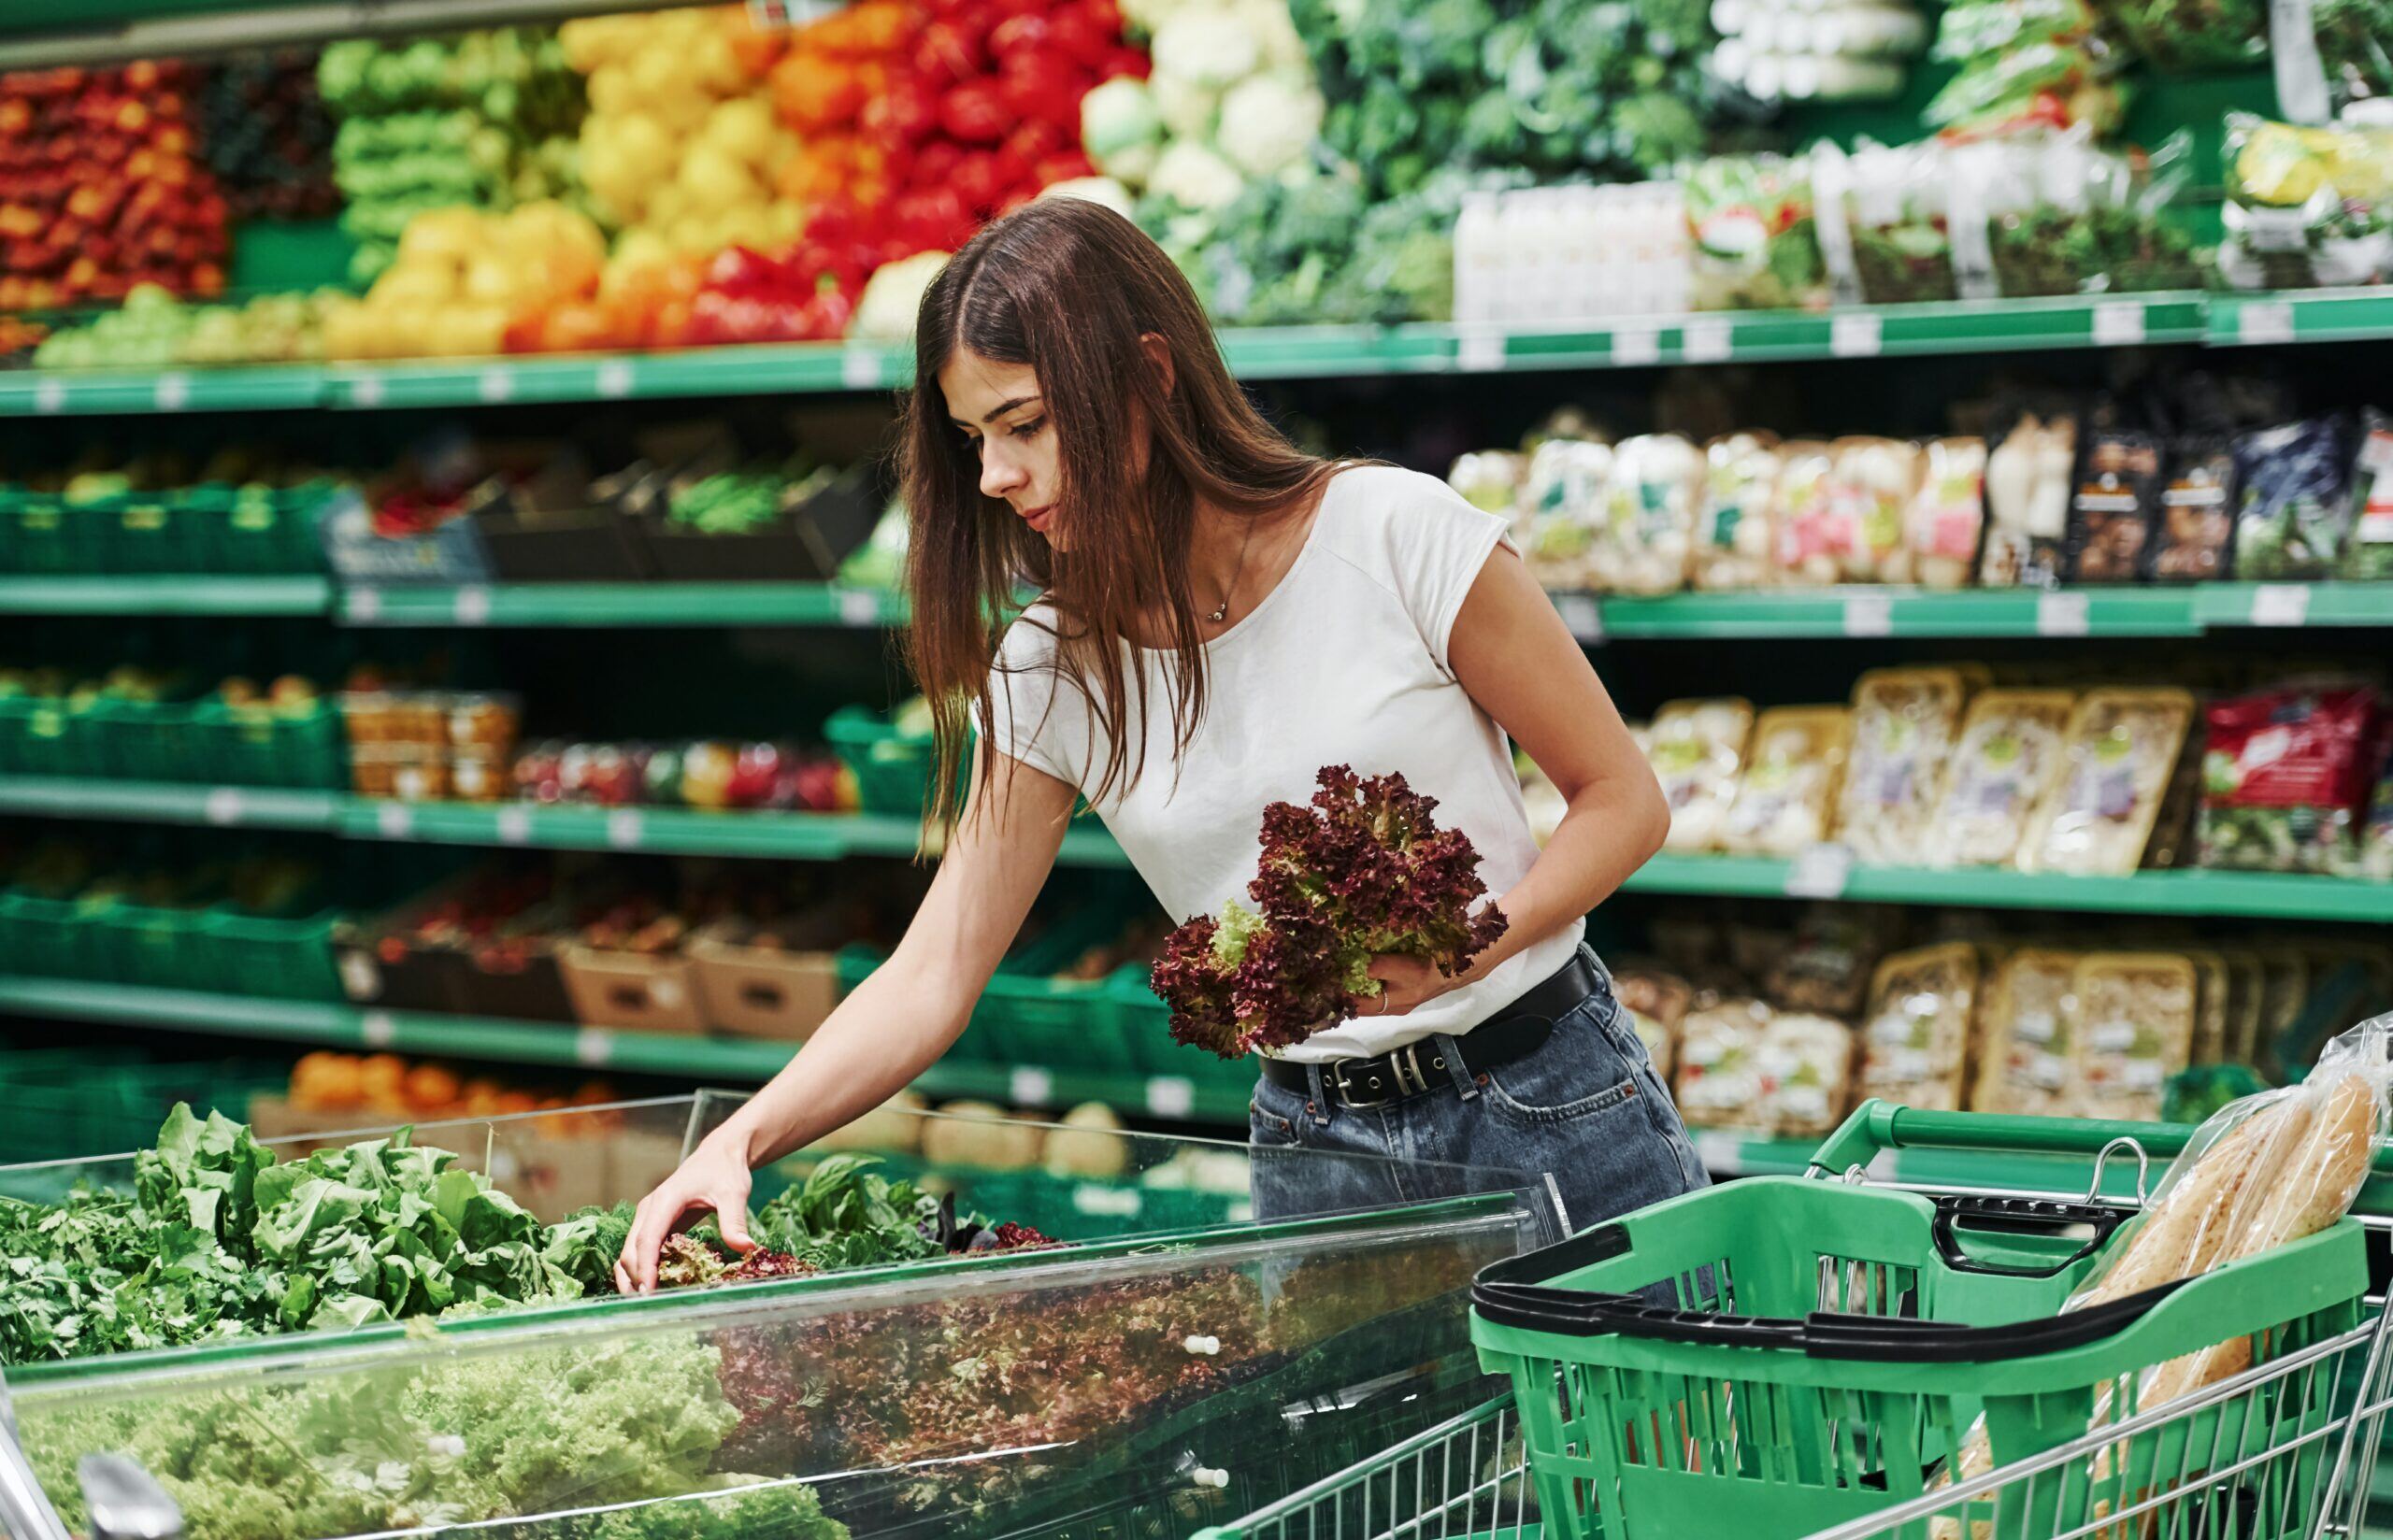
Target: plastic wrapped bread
{"x": 2135, "y": 1028}
{"x": 1915, "y": 1037}
{"x": 1719, "y": 1069}
{"x": 1736, "y": 536}
{"x": 1806, "y": 1065}
{"x": 1793, "y": 770}
{"x": 2028, "y": 1060}
{"x": 2008, "y": 757}
{"x": 2120, "y": 756}
{"x": 1904, "y": 721}
{"x": 1696, "y": 749}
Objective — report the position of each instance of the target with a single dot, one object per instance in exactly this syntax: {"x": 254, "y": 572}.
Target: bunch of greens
{"x": 2126, "y": 251}
{"x": 2190, "y": 36}
{"x": 1364, "y": 871}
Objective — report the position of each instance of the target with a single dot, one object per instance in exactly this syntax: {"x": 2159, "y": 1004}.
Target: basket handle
{"x": 2020, "y": 1216}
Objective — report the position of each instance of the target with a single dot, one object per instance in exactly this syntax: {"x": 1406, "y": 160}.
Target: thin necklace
{"x": 1222, "y": 611}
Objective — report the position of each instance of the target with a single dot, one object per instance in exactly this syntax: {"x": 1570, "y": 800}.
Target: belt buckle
{"x": 1401, "y": 1062}
{"x": 1346, "y": 1095}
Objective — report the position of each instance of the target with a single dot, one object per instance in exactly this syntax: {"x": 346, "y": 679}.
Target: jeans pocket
{"x": 1578, "y": 1073}
{"x": 1268, "y": 1130}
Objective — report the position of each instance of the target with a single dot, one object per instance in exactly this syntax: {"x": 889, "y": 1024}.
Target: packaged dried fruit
{"x": 1871, "y": 489}
{"x": 1904, "y": 721}
{"x": 2285, "y": 779}
{"x": 1736, "y": 538}
{"x": 2007, "y": 760}
{"x": 2027, "y": 503}
{"x": 2120, "y": 754}
{"x": 1808, "y": 518}
{"x": 2028, "y": 1062}
{"x": 1696, "y": 749}
{"x": 1915, "y": 1039}
{"x": 2195, "y": 540}
{"x": 2135, "y": 1028}
{"x": 1645, "y": 540}
{"x": 1943, "y": 525}
{"x": 1806, "y": 1068}
{"x": 1719, "y": 1079}
{"x": 2116, "y": 508}
{"x": 1793, "y": 769}
{"x": 1656, "y": 1004}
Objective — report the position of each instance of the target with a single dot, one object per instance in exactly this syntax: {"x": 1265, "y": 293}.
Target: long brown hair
{"x": 1069, "y": 288}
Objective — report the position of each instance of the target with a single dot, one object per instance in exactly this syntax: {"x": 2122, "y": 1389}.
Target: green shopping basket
{"x": 1822, "y": 1347}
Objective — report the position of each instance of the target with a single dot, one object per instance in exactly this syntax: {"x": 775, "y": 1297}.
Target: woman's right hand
{"x": 714, "y": 1180}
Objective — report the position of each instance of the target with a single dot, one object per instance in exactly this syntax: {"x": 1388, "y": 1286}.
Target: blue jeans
{"x": 1585, "y": 1118}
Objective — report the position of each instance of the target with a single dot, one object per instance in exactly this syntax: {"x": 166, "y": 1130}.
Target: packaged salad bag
{"x": 2286, "y": 775}
{"x": 2306, "y": 207}
{"x": 1755, "y": 245}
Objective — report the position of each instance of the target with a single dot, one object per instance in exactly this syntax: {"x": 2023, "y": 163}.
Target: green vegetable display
{"x": 1756, "y": 245}
{"x": 2186, "y": 37}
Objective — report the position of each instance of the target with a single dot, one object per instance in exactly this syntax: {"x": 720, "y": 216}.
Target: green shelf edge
{"x": 2267, "y": 604}
{"x": 1898, "y": 612}
{"x": 2251, "y": 895}
{"x": 619, "y": 605}
{"x": 160, "y": 801}
{"x": 592, "y": 1048}
{"x": 1287, "y": 352}
{"x": 196, "y": 595}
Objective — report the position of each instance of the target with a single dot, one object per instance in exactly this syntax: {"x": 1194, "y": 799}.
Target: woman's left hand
{"x": 1405, "y": 983}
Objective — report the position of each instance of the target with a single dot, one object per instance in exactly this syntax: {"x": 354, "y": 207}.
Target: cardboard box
{"x": 775, "y": 992}
{"x": 633, "y": 991}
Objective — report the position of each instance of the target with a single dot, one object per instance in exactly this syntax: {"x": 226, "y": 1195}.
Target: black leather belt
{"x": 1517, "y": 1031}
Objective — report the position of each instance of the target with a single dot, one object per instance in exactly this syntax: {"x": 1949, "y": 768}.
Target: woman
{"x": 1222, "y": 617}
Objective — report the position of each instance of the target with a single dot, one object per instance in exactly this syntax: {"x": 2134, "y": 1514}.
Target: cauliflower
{"x": 1268, "y": 123}
{"x": 1096, "y": 189}
{"x": 1207, "y": 44}
{"x": 1195, "y": 177}
{"x": 1187, "y": 109}
{"x": 1148, "y": 15}
{"x": 1275, "y": 32}
{"x": 1121, "y": 129}
{"x": 894, "y": 296}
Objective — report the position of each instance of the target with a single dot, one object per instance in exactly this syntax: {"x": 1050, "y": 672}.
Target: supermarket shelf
{"x": 589, "y": 1048}
{"x": 2295, "y": 605}
{"x": 159, "y": 802}
{"x": 264, "y": 387}
{"x": 2348, "y": 315}
{"x": 177, "y": 595}
{"x": 2255, "y": 895}
{"x": 622, "y": 605}
{"x": 1890, "y": 612}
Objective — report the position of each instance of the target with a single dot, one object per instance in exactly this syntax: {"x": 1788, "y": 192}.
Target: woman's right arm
{"x": 896, "y": 1024}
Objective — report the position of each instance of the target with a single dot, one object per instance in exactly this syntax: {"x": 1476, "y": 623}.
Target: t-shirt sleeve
{"x": 1034, "y": 718}
{"x": 1438, "y": 543}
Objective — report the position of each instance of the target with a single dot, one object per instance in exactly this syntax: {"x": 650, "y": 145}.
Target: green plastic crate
{"x": 1062, "y": 1023}
{"x": 236, "y": 953}
{"x": 77, "y": 1103}
{"x": 307, "y": 748}
{"x": 147, "y": 532}
{"x": 893, "y": 771}
{"x": 45, "y": 735}
{"x": 1145, "y": 1024}
{"x": 1826, "y": 1351}
{"x": 57, "y": 937}
{"x": 146, "y": 740}
{"x": 150, "y": 946}
{"x": 262, "y": 530}
{"x": 41, "y": 536}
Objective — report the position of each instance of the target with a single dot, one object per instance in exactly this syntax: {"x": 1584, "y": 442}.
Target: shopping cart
{"x": 2285, "y": 1450}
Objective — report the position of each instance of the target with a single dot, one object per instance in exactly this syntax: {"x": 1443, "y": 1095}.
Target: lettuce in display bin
{"x": 1362, "y": 871}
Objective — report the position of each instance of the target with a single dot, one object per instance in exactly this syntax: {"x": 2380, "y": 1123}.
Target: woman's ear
{"x": 1158, "y": 353}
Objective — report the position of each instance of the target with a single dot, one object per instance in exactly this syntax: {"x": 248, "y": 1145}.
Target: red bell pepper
{"x": 935, "y": 163}
{"x": 1043, "y": 86}
{"x": 981, "y": 179}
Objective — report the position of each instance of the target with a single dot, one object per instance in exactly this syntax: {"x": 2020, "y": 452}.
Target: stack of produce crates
{"x": 74, "y": 1103}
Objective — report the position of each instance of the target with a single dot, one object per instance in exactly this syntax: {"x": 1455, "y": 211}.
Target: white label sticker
{"x": 1722, "y": 1154}
{"x": 1029, "y": 1086}
{"x": 1857, "y": 333}
{"x": 858, "y": 607}
{"x": 2264, "y": 321}
{"x": 2063, "y": 614}
{"x": 1869, "y": 615}
{"x": 2281, "y": 604}
{"x": 1477, "y": 353}
{"x": 667, "y": 991}
{"x": 49, "y": 397}
{"x": 1819, "y": 871}
{"x": 614, "y": 379}
{"x": 377, "y": 1030}
{"x": 495, "y": 385}
{"x": 367, "y": 390}
{"x": 1707, "y": 340}
{"x": 623, "y": 831}
{"x": 1170, "y": 1097}
{"x": 473, "y": 606}
{"x": 593, "y": 1047}
{"x": 860, "y": 368}
{"x": 223, "y": 805}
{"x": 173, "y": 393}
{"x": 1634, "y": 343}
{"x": 2111, "y": 1037}
{"x": 514, "y": 825}
{"x": 394, "y": 820}
{"x": 365, "y": 603}
{"x": 1582, "y": 614}
{"x": 2035, "y": 1026}
{"x": 361, "y": 977}
{"x": 2118, "y": 323}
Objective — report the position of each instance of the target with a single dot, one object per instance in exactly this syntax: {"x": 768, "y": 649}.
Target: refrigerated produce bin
{"x": 1164, "y": 1377}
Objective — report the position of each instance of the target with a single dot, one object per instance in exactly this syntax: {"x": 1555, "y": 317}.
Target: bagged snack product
{"x": 1903, "y": 723}
{"x": 1941, "y": 525}
{"x": 1754, "y": 244}
{"x": 1697, "y": 749}
{"x": 2007, "y": 759}
{"x": 1735, "y": 534}
{"x": 1719, "y": 1082}
{"x": 2210, "y": 993}
{"x": 2195, "y": 540}
{"x": 2135, "y": 1028}
{"x": 1809, "y": 515}
{"x": 1644, "y": 539}
{"x": 2027, "y": 503}
{"x": 2116, "y": 506}
{"x": 2306, "y": 207}
{"x": 1806, "y": 1068}
{"x": 2285, "y": 779}
{"x": 2120, "y": 752}
{"x": 1873, "y": 485}
{"x": 1792, "y": 773}
{"x": 1656, "y": 1003}
{"x": 1915, "y": 1037}
{"x": 2368, "y": 556}
{"x": 2029, "y": 1060}
{"x": 1564, "y": 501}
{"x": 2291, "y": 507}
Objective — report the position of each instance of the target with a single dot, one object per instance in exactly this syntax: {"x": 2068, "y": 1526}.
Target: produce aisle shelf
{"x": 622, "y": 605}
{"x": 160, "y": 801}
{"x": 1284, "y": 352}
{"x": 1890, "y": 612}
{"x": 176, "y": 596}
{"x": 588, "y": 1048}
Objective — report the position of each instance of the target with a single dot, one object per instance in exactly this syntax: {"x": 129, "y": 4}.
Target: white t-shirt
{"x": 1344, "y": 662}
